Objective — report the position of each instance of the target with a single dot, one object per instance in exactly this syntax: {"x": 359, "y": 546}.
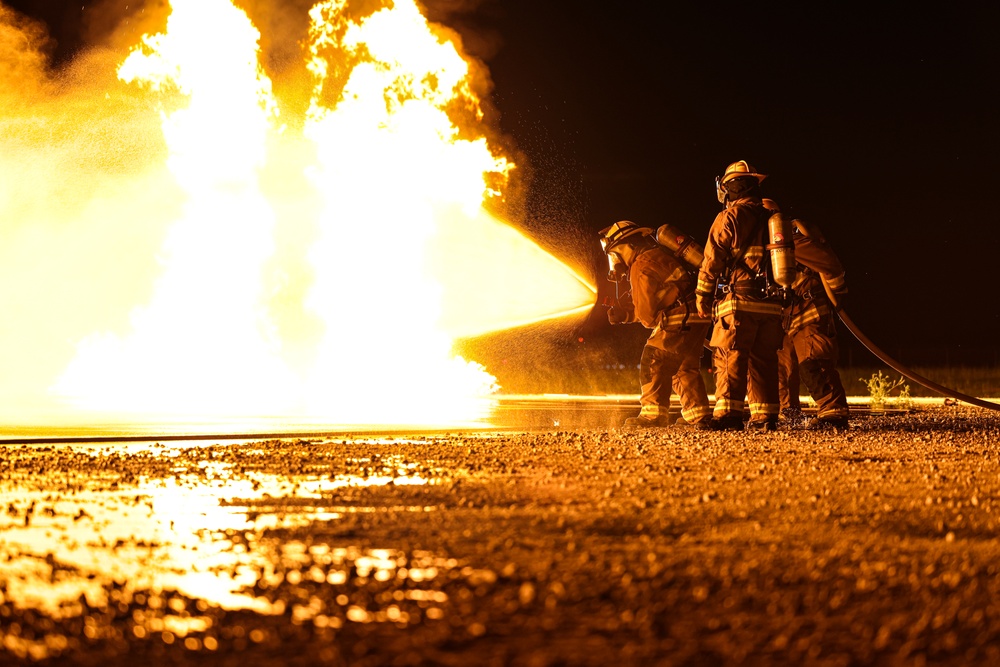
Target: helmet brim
{"x": 630, "y": 234}
{"x": 609, "y": 240}
{"x": 728, "y": 177}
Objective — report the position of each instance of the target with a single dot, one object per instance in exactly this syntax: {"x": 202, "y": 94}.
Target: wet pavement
{"x": 564, "y": 545}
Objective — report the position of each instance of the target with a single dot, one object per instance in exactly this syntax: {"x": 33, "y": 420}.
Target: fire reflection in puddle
{"x": 196, "y": 531}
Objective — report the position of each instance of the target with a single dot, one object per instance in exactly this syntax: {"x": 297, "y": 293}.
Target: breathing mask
{"x": 617, "y": 268}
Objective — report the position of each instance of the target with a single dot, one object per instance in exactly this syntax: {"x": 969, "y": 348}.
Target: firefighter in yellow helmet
{"x": 810, "y": 350}
{"x": 661, "y": 298}
{"x": 747, "y": 332}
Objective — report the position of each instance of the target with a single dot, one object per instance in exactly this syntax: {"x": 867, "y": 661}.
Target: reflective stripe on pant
{"x": 746, "y": 358}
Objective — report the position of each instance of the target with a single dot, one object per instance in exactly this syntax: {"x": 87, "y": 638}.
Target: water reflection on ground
{"x": 166, "y": 532}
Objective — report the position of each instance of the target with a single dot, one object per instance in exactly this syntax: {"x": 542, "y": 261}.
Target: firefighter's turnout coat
{"x": 747, "y": 332}
{"x": 663, "y": 300}
{"x": 810, "y": 345}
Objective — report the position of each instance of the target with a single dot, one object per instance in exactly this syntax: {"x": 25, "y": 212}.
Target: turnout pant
{"x": 745, "y": 356}
{"x": 670, "y": 362}
{"x": 814, "y": 347}
{"x": 789, "y": 381}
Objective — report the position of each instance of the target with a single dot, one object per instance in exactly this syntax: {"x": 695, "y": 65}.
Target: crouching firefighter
{"x": 660, "y": 295}
{"x": 810, "y": 351}
{"x": 747, "y": 332}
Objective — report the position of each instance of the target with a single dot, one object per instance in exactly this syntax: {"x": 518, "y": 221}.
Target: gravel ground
{"x": 874, "y": 546}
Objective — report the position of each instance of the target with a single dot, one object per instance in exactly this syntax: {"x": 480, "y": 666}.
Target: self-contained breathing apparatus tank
{"x": 782, "y": 249}
{"x": 684, "y": 247}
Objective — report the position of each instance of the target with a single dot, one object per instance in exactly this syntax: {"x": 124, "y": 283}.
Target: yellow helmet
{"x": 738, "y": 169}
{"x": 626, "y": 234}
{"x": 618, "y": 232}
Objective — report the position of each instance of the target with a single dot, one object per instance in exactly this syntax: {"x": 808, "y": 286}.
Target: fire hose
{"x": 898, "y": 367}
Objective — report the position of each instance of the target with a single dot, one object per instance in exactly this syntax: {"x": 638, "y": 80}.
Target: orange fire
{"x": 318, "y": 267}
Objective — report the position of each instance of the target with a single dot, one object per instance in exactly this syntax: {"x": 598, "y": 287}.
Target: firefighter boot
{"x": 826, "y": 424}
{"x": 703, "y": 424}
{"x": 765, "y": 424}
{"x": 647, "y": 422}
{"x": 727, "y": 423}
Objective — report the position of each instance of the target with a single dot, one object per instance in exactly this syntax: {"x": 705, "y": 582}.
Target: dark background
{"x": 876, "y": 123}
{"x": 879, "y": 125}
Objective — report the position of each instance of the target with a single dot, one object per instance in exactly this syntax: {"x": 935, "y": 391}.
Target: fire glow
{"x": 319, "y": 266}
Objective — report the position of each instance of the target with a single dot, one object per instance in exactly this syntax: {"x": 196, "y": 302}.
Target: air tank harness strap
{"x": 808, "y": 295}
{"x": 681, "y": 301}
{"x": 687, "y": 313}
{"x": 754, "y": 288}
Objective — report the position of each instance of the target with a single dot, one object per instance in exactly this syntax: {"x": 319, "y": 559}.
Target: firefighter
{"x": 810, "y": 350}
{"x": 747, "y": 332}
{"x": 660, "y": 296}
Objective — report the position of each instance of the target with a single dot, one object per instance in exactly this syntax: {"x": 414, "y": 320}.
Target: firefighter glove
{"x": 703, "y": 302}
{"x": 617, "y": 315}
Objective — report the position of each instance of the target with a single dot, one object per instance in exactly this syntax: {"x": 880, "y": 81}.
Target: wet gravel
{"x": 874, "y": 546}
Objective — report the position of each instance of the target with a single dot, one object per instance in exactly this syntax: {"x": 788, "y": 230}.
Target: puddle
{"x": 190, "y": 530}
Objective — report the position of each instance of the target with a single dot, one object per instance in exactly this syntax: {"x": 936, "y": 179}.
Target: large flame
{"x": 392, "y": 253}
{"x": 202, "y": 342}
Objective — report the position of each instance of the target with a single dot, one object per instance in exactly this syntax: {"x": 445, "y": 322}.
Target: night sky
{"x": 876, "y": 123}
